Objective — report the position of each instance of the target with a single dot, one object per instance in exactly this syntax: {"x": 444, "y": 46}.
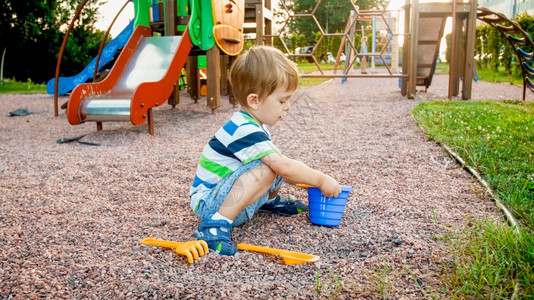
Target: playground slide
{"x": 67, "y": 84}
{"x": 142, "y": 77}
{"x": 431, "y": 28}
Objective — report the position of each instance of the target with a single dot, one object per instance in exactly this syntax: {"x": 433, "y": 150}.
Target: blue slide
{"x": 67, "y": 84}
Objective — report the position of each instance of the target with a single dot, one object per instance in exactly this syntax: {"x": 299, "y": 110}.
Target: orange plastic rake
{"x": 191, "y": 249}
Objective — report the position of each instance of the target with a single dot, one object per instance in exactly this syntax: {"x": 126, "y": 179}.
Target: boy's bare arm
{"x": 295, "y": 171}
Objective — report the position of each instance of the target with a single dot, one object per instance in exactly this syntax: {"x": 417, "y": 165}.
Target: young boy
{"x": 240, "y": 170}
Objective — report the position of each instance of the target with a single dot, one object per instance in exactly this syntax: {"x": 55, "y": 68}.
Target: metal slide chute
{"x": 143, "y": 77}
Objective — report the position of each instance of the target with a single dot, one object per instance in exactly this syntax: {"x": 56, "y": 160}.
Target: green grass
{"x": 330, "y": 289}
{"x": 307, "y": 68}
{"x": 496, "y": 139}
{"x": 442, "y": 68}
{"x": 486, "y": 74}
{"x": 11, "y": 86}
{"x": 499, "y": 76}
{"x": 489, "y": 261}
{"x": 307, "y": 82}
{"x": 380, "y": 279}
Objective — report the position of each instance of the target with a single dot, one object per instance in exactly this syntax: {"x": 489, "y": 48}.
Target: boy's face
{"x": 274, "y": 108}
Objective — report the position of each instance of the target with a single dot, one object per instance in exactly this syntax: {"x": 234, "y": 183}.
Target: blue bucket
{"x": 324, "y": 210}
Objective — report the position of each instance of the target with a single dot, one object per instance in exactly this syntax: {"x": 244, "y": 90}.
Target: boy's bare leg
{"x": 273, "y": 194}
{"x": 247, "y": 189}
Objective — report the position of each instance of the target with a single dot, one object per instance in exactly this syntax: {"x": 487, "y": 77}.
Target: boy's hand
{"x": 330, "y": 187}
{"x": 297, "y": 172}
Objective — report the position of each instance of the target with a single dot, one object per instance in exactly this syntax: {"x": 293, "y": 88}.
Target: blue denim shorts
{"x": 213, "y": 201}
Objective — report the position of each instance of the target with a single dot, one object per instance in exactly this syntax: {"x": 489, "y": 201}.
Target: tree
{"x": 32, "y": 33}
{"x": 332, "y": 15}
{"x": 495, "y": 47}
{"x": 527, "y": 24}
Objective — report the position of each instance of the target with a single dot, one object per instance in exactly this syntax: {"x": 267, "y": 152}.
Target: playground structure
{"x": 386, "y": 51}
{"x": 424, "y": 25}
{"x": 426, "y": 22}
{"x": 421, "y": 46}
{"x": 108, "y": 56}
{"x": 147, "y": 72}
{"x": 518, "y": 38}
{"x": 384, "y": 44}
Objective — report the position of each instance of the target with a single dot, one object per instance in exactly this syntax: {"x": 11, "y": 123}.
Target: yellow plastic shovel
{"x": 191, "y": 249}
{"x": 290, "y": 257}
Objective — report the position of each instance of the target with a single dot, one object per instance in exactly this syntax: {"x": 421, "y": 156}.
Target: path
{"x": 72, "y": 216}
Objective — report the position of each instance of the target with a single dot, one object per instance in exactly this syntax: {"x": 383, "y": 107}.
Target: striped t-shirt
{"x": 238, "y": 142}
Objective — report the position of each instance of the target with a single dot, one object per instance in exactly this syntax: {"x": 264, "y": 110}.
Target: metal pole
{"x": 2, "y": 66}
{"x": 327, "y": 19}
{"x": 374, "y": 46}
{"x": 104, "y": 40}
{"x": 60, "y": 55}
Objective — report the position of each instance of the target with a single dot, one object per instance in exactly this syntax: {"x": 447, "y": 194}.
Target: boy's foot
{"x": 217, "y": 234}
{"x": 283, "y": 206}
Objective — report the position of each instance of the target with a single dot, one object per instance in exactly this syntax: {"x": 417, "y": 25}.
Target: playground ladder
{"x": 432, "y": 19}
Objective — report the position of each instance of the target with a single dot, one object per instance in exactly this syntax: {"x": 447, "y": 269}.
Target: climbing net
{"x": 354, "y": 48}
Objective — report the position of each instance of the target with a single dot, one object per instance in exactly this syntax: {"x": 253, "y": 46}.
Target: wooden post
{"x": 224, "y": 75}
{"x": 193, "y": 80}
{"x": 395, "y": 47}
{"x": 452, "y": 62}
{"x": 161, "y": 9}
{"x": 260, "y": 24}
{"x": 470, "y": 30}
{"x": 231, "y": 96}
{"x": 406, "y": 48}
{"x": 99, "y": 126}
{"x": 412, "y": 61}
{"x": 175, "y": 95}
{"x": 213, "y": 64}
{"x": 170, "y": 30}
{"x": 150, "y": 121}
{"x": 268, "y": 24}
{"x": 457, "y": 48}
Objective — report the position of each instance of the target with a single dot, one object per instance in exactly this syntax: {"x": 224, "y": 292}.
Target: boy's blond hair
{"x": 261, "y": 70}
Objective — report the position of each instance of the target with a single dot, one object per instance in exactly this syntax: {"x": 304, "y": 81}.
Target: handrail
{"x": 60, "y": 56}
{"x": 106, "y": 37}
{"x": 494, "y": 19}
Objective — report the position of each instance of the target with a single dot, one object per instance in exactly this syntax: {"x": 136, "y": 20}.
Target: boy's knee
{"x": 264, "y": 173}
